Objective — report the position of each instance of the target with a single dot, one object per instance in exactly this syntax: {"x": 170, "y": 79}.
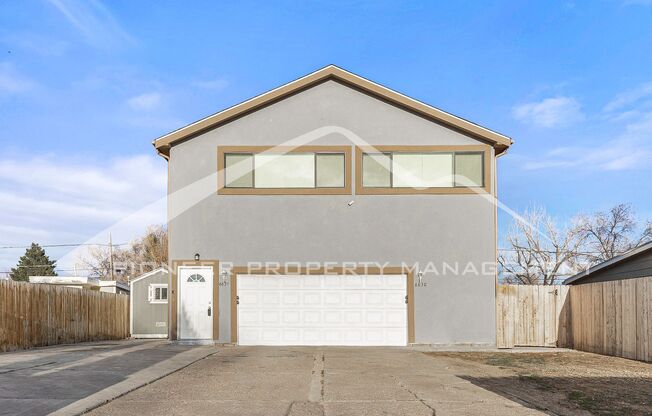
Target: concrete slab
{"x": 314, "y": 381}
{"x": 67, "y": 380}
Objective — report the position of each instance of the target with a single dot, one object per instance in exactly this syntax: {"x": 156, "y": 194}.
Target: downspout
{"x": 495, "y": 180}
{"x": 167, "y": 224}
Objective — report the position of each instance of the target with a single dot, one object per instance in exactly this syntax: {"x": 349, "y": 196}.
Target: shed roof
{"x": 148, "y": 274}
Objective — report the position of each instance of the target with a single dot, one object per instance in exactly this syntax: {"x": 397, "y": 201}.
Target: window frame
{"x": 461, "y": 189}
{"x": 152, "y": 293}
{"x": 222, "y": 151}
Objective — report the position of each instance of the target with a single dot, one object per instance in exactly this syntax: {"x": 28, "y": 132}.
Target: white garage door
{"x": 322, "y": 310}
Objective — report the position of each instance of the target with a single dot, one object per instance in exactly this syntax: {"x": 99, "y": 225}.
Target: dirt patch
{"x": 566, "y": 383}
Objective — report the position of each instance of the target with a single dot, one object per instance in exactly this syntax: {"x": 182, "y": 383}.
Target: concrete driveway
{"x": 314, "y": 381}
{"x": 69, "y": 379}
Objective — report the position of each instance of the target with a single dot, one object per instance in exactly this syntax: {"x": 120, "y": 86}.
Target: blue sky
{"x": 85, "y": 86}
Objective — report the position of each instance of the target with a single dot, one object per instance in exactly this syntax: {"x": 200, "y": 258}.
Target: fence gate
{"x": 532, "y": 316}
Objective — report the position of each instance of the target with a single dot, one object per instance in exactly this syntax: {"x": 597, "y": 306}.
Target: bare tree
{"x": 539, "y": 252}
{"x": 611, "y": 233}
{"x": 142, "y": 255}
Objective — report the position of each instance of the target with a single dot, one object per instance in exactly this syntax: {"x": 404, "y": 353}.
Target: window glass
{"x": 469, "y": 168}
{"x": 158, "y": 293}
{"x": 376, "y": 171}
{"x": 296, "y": 170}
{"x": 196, "y": 278}
{"x": 238, "y": 172}
{"x": 330, "y": 170}
{"x": 422, "y": 170}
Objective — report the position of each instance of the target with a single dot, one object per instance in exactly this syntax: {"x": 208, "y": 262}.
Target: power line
{"x": 65, "y": 245}
{"x": 552, "y": 252}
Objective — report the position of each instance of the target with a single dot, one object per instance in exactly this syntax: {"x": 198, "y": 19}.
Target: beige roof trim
{"x": 499, "y": 141}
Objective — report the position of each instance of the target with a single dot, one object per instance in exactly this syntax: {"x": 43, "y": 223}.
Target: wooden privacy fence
{"x": 35, "y": 315}
{"x": 532, "y": 316}
{"x": 613, "y": 318}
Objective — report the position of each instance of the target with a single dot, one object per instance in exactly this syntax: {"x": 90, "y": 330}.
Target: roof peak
{"x": 163, "y": 143}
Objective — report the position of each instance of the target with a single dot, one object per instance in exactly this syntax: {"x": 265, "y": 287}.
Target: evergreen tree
{"x": 34, "y": 263}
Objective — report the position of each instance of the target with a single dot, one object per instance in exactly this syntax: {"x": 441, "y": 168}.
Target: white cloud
{"x": 628, "y": 98}
{"x": 632, "y": 149}
{"x": 11, "y": 81}
{"x": 550, "y": 112}
{"x": 52, "y": 200}
{"x": 217, "y": 84}
{"x": 146, "y": 102}
{"x": 94, "y": 21}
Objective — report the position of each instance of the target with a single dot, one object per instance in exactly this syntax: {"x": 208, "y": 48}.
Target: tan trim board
{"x": 173, "y": 296}
{"x": 163, "y": 143}
{"x": 348, "y": 161}
{"x": 328, "y": 270}
{"x": 360, "y": 190}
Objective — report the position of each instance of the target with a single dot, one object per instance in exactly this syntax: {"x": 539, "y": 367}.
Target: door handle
{"x": 209, "y": 311}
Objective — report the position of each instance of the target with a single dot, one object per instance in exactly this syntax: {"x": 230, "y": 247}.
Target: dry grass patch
{"x": 562, "y": 382}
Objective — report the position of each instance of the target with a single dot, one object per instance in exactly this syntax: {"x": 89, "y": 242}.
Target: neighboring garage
{"x": 636, "y": 263}
{"x": 322, "y": 309}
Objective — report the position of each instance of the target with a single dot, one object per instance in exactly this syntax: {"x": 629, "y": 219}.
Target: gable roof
{"x": 611, "y": 262}
{"x": 148, "y": 274}
{"x": 331, "y": 72}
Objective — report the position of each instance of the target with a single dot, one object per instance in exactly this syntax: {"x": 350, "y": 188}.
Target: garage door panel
{"x": 291, "y": 317}
{"x": 264, "y": 282}
{"x": 374, "y": 298}
{"x": 395, "y": 299}
{"x": 352, "y": 298}
{"x": 291, "y": 298}
{"x": 291, "y": 336}
{"x": 332, "y": 317}
{"x": 311, "y": 282}
{"x": 249, "y": 298}
{"x": 332, "y": 298}
{"x": 322, "y": 310}
{"x": 398, "y": 282}
{"x": 249, "y": 317}
{"x": 352, "y": 282}
{"x": 311, "y": 299}
{"x": 270, "y": 317}
{"x": 270, "y": 298}
{"x": 312, "y": 317}
{"x": 352, "y": 318}
{"x": 395, "y": 318}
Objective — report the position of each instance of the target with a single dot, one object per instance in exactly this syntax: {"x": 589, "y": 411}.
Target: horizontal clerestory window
{"x": 296, "y": 171}
{"x": 422, "y": 171}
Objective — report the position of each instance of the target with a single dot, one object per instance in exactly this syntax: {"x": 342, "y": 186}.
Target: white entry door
{"x": 196, "y": 310}
{"x": 322, "y": 310}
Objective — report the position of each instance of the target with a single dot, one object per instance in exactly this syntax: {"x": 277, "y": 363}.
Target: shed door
{"x": 322, "y": 310}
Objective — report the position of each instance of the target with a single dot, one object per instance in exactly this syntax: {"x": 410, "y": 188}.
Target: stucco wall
{"x": 145, "y": 315}
{"x": 391, "y": 229}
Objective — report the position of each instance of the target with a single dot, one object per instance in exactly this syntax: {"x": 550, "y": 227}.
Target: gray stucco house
{"x": 633, "y": 264}
{"x": 332, "y": 211}
{"x": 149, "y": 305}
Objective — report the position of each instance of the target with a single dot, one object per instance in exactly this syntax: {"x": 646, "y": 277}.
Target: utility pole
{"x": 111, "y": 256}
